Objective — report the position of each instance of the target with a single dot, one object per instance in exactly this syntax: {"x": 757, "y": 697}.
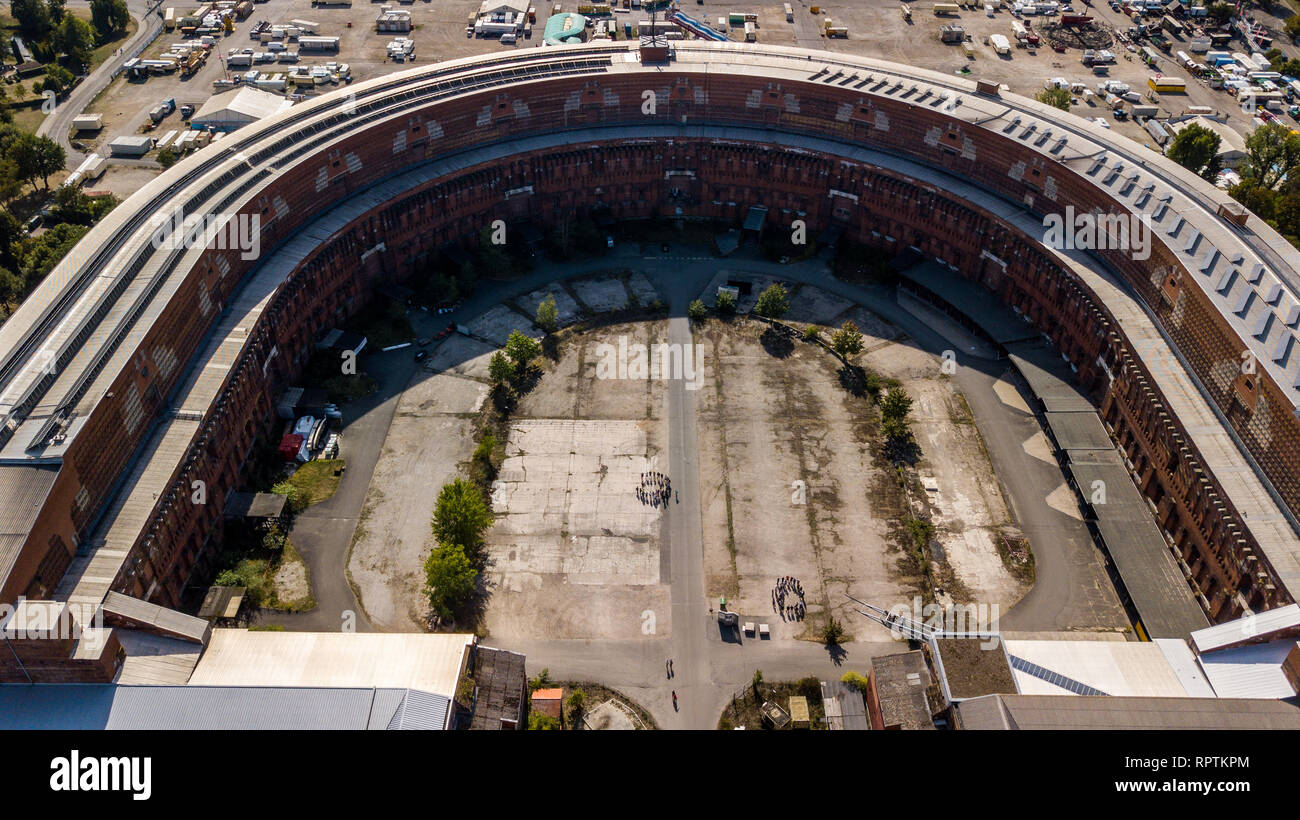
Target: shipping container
{"x": 169, "y": 19}
{"x": 88, "y": 122}
{"x": 945, "y": 8}
{"x": 789, "y": 13}
{"x": 1167, "y": 85}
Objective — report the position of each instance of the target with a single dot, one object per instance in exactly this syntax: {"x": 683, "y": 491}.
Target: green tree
{"x": 1292, "y": 27}
{"x": 853, "y": 680}
{"x": 811, "y": 333}
{"x": 450, "y": 580}
{"x": 696, "y": 310}
{"x": 167, "y": 157}
{"x": 577, "y": 705}
{"x": 1272, "y": 153}
{"x": 548, "y": 316}
{"x": 75, "y": 38}
{"x": 57, "y": 79}
{"x": 847, "y": 341}
{"x": 726, "y": 303}
{"x": 35, "y": 157}
{"x": 757, "y": 683}
{"x": 541, "y": 681}
{"x": 501, "y": 370}
{"x": 522, "y": 350}
{"x": 538, "y": 722}
{"x": 461, "y": 516}
{"x": 1220, "y": 13}
{"x": 109, "y": 17}
{"x": 1055, "y": 97}
{"x": 833, "y": 632}
{"x": 773, "y": 302}
{"x": 1196, "y": 148}
{"x": 896, "y": 404}
{"x": 294, "y": 498}
{"x": 33, "y": 16}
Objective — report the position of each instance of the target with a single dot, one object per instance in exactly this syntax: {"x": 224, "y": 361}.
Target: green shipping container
{"x": 736, "y": 19}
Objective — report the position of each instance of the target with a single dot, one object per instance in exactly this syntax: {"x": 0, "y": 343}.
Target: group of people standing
{"x": 787, "y": 598}
{"x": 656, "y": 489}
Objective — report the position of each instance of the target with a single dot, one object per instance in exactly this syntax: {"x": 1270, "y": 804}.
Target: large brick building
{"x": 136, "y": 371}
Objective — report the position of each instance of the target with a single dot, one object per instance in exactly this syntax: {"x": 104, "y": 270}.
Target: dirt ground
{"x": 430, "y": 436}
{"x": 574, "y": 553}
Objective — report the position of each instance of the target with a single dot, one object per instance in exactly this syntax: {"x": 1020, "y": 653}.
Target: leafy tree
{"x": 42, "y": 253}
{"x": 541, "y": 681}
{"x": 896, "y": 404}
{"x": 833, "y": 632}
{"x": 577, "y": 704}
{"x": 522, "y": 350}
{"x": 773, "y": 302}
{"x": 1220, "y": 13}
{"x": 696, "y": 310}
{"x": 538, "y": 722}
{"x": 757, "y": 682}
{"x": 853, "y": 680}
{"x": 57, "y": 79}
{"x": 57, "y": 14}
{"x": 109, "y": 17}
{"x": 1292, "y": 27}
{"x": 75, "y": 38}
{"x": 548, "y": 316}
{"x": 501, "y": 370}
{"x": 726, "y": 303}
{"x": 167, "y": 157}
{"x": 1056, "y": 97}
{"x": 1196, "y": 148}
{"x": 72, "y": 206}
{"x": 461, "y": 516}
{"x": 33, "y": 16}
{"x": 450, "y": 579}
{"x": 847, "y": 341}
{"x": 11, "y": 286}
{"x": 1272, "y": 153}
{"x": 811, "y": 333}
{"x": 35, "y": 157}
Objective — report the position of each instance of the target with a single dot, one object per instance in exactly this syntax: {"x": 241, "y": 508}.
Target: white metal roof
{"x": 1252, "y": 671}
{"x": 240, "y": 105}
{"x": 428, "y": 662}
{"x": 1130, "y": 668}
{"x": 1250, "y": 627}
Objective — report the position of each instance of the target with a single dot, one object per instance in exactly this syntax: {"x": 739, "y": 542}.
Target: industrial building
{"x": 98, "y": 453}
{"x": 234, "y": 109}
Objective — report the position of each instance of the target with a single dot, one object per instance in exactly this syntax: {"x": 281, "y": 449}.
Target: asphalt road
{"x": 57, "y": 125}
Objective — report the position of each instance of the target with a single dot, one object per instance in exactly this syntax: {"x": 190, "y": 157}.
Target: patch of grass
{"x": 313, "y": 482}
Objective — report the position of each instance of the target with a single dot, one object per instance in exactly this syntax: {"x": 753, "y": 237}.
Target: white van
{"x": 508, "y": 39}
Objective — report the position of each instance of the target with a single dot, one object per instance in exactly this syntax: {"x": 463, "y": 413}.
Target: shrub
{"x": 726, "y": 304}
{"x": 774, "y": 302}
{"x": 853, "y": 680}
{"x": 697, "y": 310}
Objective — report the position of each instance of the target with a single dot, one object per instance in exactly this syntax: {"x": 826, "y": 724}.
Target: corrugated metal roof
{"x": 1067, "y": 712}
{"x": 1255, "y": 627}
{"x": 106, "y": 706}
{"x": 24, "y": 489}
{"x": 1253, "y": 671}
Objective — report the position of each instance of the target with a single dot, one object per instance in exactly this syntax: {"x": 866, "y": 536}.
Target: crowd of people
{"x": 787, "y": 598}
{"x": 655, "y": 490}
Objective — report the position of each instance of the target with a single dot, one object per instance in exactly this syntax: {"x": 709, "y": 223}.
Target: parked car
{"x": 421, "y": 355}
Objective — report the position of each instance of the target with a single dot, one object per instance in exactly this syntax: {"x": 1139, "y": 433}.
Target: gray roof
{"x": 1155, "y": 584}
{"x": 976, "y": 301}
{"x": 106, "y": 706}
{"x": 1084, "y": 712}
{"x": 844, "y": 707}
{"x": 1079, "y": 430}
{"x": 23, "y": 488}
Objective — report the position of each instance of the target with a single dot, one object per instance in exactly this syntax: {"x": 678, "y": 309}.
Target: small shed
{"x": 548, "y": 701}
{"x": 799, "y": 718}
{"x": 222, "y": 602}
